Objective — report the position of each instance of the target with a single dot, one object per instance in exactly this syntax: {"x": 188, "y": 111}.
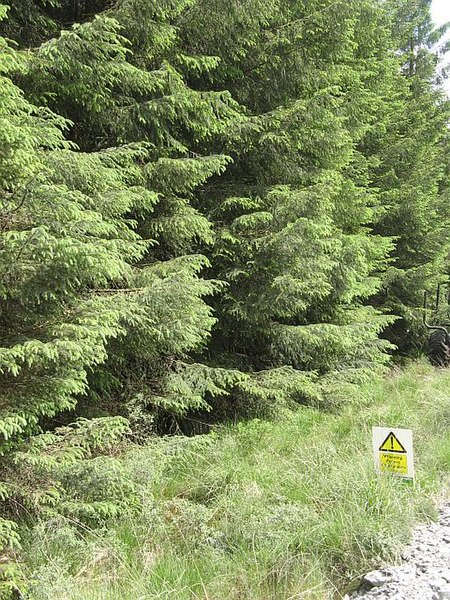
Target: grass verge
{"x": 280, "y": 510}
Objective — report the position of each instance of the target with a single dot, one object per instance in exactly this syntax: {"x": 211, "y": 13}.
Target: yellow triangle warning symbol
{"x": 391, "y": 444}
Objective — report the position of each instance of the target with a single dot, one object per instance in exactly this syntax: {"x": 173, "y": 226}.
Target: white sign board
{"x": 393, "y": 451}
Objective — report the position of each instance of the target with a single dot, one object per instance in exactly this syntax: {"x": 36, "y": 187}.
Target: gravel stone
{"x": 444, "y": 592}
{"x": 376, "y": 578}
{"x": 425, "y": 572}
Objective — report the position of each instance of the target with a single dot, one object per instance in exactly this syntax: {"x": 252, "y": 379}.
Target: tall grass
{"x": 263, "y": 510}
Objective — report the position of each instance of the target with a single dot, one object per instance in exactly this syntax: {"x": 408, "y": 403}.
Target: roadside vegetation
{"x": 211, "y": 212}
{"x": 262, "y": 510}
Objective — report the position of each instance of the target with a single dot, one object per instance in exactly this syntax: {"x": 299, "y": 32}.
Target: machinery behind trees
{"x": 434, "y": 321}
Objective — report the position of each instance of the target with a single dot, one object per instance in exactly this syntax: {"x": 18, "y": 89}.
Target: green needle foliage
{"x": 98, "y": 241}
{"x": 295, "y": 213}
{"x": 209, "y": 209}
{"x": 412, "y": 172}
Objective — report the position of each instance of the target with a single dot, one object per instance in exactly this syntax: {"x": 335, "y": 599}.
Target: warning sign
{"x": 391, "y": 444}
{"x": 393, "y": 451}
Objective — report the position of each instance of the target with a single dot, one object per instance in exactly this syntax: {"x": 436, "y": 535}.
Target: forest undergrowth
{"x": 259, "y": 510}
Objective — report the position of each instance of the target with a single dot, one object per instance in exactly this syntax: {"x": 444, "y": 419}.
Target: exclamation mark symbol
{"x": 392, "y": 442}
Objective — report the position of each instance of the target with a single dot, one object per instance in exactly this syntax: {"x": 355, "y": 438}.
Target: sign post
{"x": 393, "y": 451}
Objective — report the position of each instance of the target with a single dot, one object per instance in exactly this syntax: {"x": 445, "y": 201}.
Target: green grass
{"x": 264, "y": 510}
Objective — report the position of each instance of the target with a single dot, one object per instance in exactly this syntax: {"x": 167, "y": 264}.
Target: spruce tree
{"x": 410, "y": 171}
{"x": 99, "y": 239}
{"x": 54, "y": 247}
{"x": 294, "y": 213}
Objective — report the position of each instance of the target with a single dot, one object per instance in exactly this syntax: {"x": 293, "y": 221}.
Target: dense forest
{"x": 210, "y": 210}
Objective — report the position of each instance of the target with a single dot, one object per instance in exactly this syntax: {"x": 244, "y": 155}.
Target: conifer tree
{"x": 98, "y": 237}
{"x": 55, "y": 246}
{"x": 123, "y": 90}
{"x": 412, "y": 158}
{"x": 294, "y": 212}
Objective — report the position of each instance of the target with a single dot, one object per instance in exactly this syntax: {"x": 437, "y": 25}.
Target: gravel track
{"x": 425, "y": 572}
